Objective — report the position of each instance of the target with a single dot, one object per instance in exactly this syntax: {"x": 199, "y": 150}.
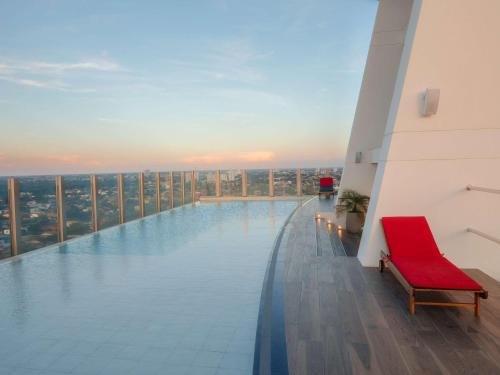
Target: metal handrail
{"x": 483, "y": 189}
{"x": 484, "y": 235}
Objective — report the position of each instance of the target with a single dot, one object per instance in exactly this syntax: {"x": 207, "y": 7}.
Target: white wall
{"x": 453, "y": 45}
{"x": 376, "y": 93}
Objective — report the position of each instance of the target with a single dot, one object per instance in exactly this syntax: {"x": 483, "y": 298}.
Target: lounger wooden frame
{"x": 385, "y": 262}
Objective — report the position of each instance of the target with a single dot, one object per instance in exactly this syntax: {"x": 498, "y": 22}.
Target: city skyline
{"x": 91, "y": 87}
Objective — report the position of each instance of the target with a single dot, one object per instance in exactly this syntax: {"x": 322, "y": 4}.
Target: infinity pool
{"x": 176, "y": 293}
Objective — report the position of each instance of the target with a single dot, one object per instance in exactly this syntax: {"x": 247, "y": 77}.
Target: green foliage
{"x": 353, "y": 202}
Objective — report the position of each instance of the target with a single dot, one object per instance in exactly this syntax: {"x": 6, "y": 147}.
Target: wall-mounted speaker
{"x": 430, "y": 102}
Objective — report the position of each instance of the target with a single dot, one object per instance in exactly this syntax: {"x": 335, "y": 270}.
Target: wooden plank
{"x": 336, "y": 243}
{"x": 309, "y": 315}
{"x": 292, "y": 301}
{"x": 315, "y": 358}
{"x": 292, "y": 335}
{"x": 337, "y": 357}
{"x": 388, "y": 354}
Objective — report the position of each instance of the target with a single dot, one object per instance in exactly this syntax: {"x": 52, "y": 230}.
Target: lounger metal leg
{"x": 412, "y": 302}
{"x": 381, "y": 265}
{"x": 477, "y": 304}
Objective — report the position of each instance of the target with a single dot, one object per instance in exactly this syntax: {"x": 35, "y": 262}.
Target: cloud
{"x": 35, "y": 83}
{"x": 41, "y": 84}
{"x": 217, "y": 158}
{"x": 255, "y": 156}
{"x": 204, "y": 159}
{"x": 47, "y": 75}
{"x": 228, "y": 59}
{"x": 73, "y": 159}
{"x": 47, "y": 67}
{"x": 110, "y": 120}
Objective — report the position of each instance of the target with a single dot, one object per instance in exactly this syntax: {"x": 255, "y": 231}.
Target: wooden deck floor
{"x": 342, "y": 318}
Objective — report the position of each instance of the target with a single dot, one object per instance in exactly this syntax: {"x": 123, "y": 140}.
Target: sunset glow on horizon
{"x": 120, "y": 86}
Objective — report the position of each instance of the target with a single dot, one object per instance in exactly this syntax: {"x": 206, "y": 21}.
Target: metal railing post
{"x": 183, "y": 188}
{"x": 193, "y": 187}
{"x": 121, "y": 198}
{"x": 61, "y": 213}
{"x": 244, "y": 183}
{"x": 299, "y": 182}
{"x": 218, "y": 186}
{"x": 271, "y": 183}
{"x": 141, "y": 194}
{"x": 93, "y": 202}
{"x": 14, "y": 216}
{"x": 171, "y": 188}
{"x": 158, "y": 192}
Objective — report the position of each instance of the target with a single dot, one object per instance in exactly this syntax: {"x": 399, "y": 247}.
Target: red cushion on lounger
{"x": 326, "y": 181}
{"x": 433, "y": 273}
{"x": 409, "y": 236}
{"x": 416, "y": 255}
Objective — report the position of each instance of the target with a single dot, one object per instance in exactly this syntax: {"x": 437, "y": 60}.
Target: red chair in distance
{"x": 326, "y": 187}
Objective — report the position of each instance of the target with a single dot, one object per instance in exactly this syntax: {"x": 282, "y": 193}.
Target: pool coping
{"x": 270, "y": 354}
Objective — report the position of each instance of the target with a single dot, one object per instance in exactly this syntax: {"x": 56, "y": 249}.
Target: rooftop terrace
{"x": 181, "y": 292}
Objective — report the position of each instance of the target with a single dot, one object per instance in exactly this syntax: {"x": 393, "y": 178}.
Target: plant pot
{"x": 353, "y": 222}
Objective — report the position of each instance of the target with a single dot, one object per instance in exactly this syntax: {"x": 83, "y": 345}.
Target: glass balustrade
{"x": 4, "y": 219}
{"x": 285, "y": 182}
{"x": 187, "y": 188}
{"x": 37, "y": 199}
{"x": 205, "y": 183}
{"x": 178, "y": 199}
{"x": 231, "y": 182}
{"x": 258, "y": 182}
{"x": 131, "y": 190}
{"x": 310, "y": 181}
{"x": 37, "y": 204}
{"x": 165, "y": 190}
{"x": 149, "y": 193}
{"x": 78, "y": 205}
{"x": 107, "y": 204}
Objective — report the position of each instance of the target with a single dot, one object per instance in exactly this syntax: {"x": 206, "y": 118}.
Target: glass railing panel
{"x": 177, "y": 189}
{"x": 37, "y": 204}
{"x": 165, "y": 190}
{"x": 149, "y": 193}
{"x": 258, "y": 182}
{"x": 310, "y": 181}
{"x": 187, "y": 185}
{"x": 4, "y": 219}
{"x": 285, "y": 182}
{"x": 78, "y": 205}
{"x": 337, "y": 173}
{"x": 205, "y": 183}
{"x": 107, "y": 200}
{"x": 231, "y": 182}
{"x": 131, "y": 192}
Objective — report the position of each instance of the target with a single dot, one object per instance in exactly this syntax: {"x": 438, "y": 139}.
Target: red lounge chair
{"x": 417, "y": 263}
{"x": 326, "y": 186}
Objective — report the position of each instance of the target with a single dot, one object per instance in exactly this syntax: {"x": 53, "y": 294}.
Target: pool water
{"x": 175, "y": 293}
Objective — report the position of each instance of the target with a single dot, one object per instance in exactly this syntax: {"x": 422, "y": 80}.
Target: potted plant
{"x": 355, "y": 206}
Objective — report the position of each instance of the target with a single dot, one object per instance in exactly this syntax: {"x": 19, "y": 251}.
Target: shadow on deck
{"x": 342, "y": 318}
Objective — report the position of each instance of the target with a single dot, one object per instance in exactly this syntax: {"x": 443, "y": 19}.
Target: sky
{"x": 119, "y": 86}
